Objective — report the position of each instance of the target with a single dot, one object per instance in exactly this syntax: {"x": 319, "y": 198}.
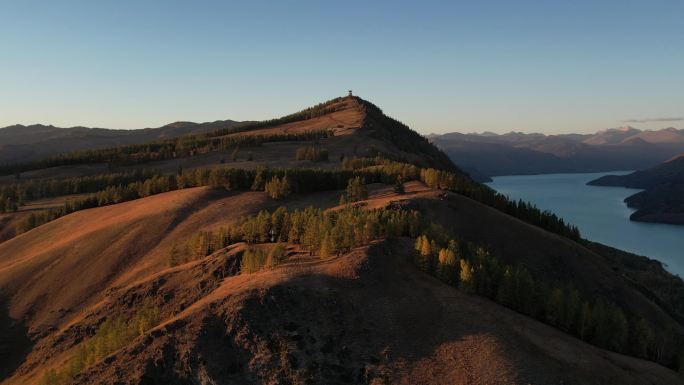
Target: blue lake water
{"x": 599, "y": 213}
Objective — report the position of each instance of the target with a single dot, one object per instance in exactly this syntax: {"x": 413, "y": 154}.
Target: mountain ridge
{"x": 23, "y": 143}
{"x": 518, "y": 153}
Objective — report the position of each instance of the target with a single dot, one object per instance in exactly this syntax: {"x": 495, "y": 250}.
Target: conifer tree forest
{"x": 467, "y": 266}
{"x": 280, "y": 182}
{"x": 110, "y": 336}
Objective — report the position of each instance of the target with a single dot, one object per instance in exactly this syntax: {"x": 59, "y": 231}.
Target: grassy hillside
{"x": 194, "y": 296}
{"x": 244, "y": 256}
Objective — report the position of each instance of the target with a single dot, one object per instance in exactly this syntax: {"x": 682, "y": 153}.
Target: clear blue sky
{"x": 550, "y": 66}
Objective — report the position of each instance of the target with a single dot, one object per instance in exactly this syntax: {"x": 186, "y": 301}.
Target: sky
{"x": 439, "y": 66}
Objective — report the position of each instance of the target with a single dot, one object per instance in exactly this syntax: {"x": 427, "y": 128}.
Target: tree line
{"x": 113, "y": 334}
{"x": 597, "y": 321}
{"x": 184, "y": 146}
{"x": 320, "y": 232}
{"x": 18, "y": 193}
{"x": 461, "y": 264}
{"x": 311, "y": 180}
{"x": 311, "y": 153}
{"x": 278, "y": 183}
{"x": 257, "y": 258}
{"x": 461, "y": 184}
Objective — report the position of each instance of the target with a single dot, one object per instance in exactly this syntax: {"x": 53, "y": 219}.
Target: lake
{"x": 599, "y": 213}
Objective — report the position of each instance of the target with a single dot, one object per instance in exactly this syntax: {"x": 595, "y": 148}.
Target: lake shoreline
{"x": 599, "y": 212}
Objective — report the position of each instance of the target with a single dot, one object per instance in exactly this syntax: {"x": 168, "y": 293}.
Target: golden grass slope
{"x": 366, "y": 317}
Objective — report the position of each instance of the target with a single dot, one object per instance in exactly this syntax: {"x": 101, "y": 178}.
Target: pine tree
{"x": 259, "y": 182}
{"x": 356, "y": 190}
{"x": 466, "y": 277}
{"x": 584, "y": 321}
{"x": 276, "y": 255}
{"x": 555, "y": 307}
{"x": 432, "y": 257}
{"x": 642, "y": 338}
{"x": 423, "y": 258}
{"x": 507, "y": 289}
{"x": 327, "y": 247}
{"x": 446, "y": 270}
{"x": 399, "y": 186}
{"x": 572, "y": 307}
{"x": 619, "y": 329}
{"x": 419, "y": 244}
{"x": 285, "y": 187}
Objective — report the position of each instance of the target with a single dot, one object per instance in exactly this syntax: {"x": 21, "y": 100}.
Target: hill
{"x": 514, "y": 153}
{"x": 342, "y": 127}
{"x": 301, "y": 320}
{"x": 19, "y": 143}
{"x": 662, "y": 199}
{"x": 332, "y": 245}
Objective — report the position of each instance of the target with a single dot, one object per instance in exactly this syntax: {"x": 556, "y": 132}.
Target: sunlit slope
{"x": 354, "y": 127}
{"x": 367, "y": 314}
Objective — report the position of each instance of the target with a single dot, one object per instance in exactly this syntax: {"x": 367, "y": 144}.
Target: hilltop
{"x": 332, "y": 245}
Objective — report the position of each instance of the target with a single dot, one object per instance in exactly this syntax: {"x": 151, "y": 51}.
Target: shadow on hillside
{"x": 336, "y": 329}
{"x": 14, "y": 342}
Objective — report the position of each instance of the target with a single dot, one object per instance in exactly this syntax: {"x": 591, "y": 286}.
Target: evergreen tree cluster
{"x": 326, "y": 233}
{"x": 7, "y": 204}
{"x": 312, "y": 153}
{"x": 43, "y": 188}
{"x": 281, "y": 183}
{"x": 278, "y": 188}
{"x": 184, "y": 146}
{"x": 440, "y": 179}
{"x": 371, "y": 170}
{"x": 404, "y": 170}
{"x": 111, "y": 335}
{"x": 257, "y": 258}
{"x": 309, "y": 180}
{"x": 355, "y": 191}
{"x": 604, "y": 324}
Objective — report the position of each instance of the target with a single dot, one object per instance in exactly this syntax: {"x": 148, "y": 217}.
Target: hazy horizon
{"x": 499, "y": 132}
{"x": 526, "y": 66}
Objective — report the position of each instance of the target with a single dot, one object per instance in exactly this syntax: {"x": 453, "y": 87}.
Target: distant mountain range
{"x": 624, "y": 148}
{"x": 19, "y": 143}
{"x": 663, "y": 197}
